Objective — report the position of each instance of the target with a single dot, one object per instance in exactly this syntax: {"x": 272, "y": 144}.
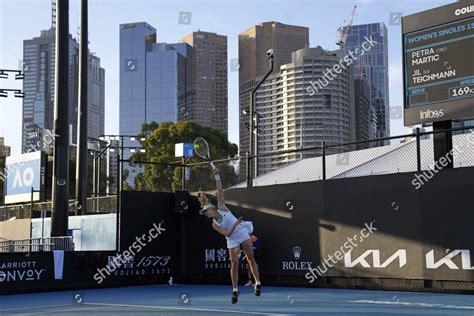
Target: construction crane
{"x": 344, "y": 31}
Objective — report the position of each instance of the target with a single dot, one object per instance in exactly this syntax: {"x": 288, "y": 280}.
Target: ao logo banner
{"x": 23, "y": 173}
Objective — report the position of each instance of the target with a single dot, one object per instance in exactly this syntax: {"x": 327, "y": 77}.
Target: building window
{"x": 327, "y": 100}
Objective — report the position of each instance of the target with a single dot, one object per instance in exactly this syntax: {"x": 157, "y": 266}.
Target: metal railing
{"x": 38, "y": 244}
{"x": 326, "y": 160}
{"x": 102, "y": 204}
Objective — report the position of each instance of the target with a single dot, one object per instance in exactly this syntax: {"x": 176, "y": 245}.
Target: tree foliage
{"x": 160, "y": 148}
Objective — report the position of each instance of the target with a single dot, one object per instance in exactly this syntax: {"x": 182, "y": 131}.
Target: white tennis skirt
{"x": 242, "y": 232}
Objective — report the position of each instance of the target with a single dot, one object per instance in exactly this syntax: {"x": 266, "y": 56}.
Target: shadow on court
{"x": 215, "y": 300}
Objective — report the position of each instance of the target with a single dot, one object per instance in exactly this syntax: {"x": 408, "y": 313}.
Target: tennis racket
{"x": 201, "y": 147}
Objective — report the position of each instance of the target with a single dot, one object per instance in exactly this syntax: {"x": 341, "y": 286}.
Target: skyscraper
{"x": 38, "y": 85}
{"x": 152, "y": 78}
{"x": 136, "y": 39}
{"x": 153, "y": 82}
{"x": 253, "y": 63}
{"x": 96, "y": 98}
{"x": 293, "y": 118}
{"x": 365, "y": 118}
{"x": 373, "y": 67}
{"x": 209, "y": 80}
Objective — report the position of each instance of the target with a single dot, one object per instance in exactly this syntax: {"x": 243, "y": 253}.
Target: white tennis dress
{"x": 241, "y": 233}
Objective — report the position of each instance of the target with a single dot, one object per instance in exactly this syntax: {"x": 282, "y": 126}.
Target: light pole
{"x": 97, "y": 165}
{"x": 96, "y": 172}
{"x": 17, "y": 93}
{"x": 132, "y": 149}
{"x": 19, "y": 75}
{"x": 119, "y": 176}
{"x": 81, "y": 163}
{"x": 60, "y": 191}
{"x": 96, "y": 153}
{"x": 253, "y": 118}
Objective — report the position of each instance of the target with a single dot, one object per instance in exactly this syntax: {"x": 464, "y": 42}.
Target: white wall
{"x": 16, "y": 229}
{"x": 91, "y": 232}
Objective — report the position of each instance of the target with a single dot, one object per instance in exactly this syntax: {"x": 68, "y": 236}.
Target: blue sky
{"x": 24, "y": 19}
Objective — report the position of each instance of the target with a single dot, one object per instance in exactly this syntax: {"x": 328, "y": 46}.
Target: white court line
{"x": 188, "y": 309}
{"x": 413, "y": 304}
{"x": 33, "y": 307}
{"x": 62, "y": 310}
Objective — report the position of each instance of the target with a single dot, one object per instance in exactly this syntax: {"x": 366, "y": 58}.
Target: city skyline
{"x": 223, "y": 20}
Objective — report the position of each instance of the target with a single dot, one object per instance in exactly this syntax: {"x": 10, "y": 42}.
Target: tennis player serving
{"x": 237, "y": 232}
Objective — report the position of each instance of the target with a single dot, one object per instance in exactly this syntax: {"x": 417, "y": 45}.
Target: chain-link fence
{"x": 179, "y": 175}
{"x": 407, "y": 153}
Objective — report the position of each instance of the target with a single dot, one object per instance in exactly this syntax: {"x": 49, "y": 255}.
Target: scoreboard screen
{"x": 440, "y": 63}
{"x": 439, "y": 69}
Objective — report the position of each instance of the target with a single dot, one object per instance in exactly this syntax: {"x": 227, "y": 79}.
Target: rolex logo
{"x": 296, "y": 265}
{"x": 297, "y": 252}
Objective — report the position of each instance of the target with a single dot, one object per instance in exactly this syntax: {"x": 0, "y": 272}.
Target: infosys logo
{"x": 431, "y": 114}
{"x": 464, "y": 10}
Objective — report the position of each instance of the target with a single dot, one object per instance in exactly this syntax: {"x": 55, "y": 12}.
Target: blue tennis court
{"x": 215, "y": 300}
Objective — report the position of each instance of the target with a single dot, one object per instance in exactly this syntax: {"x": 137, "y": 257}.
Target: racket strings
{"x": 201, "y": 148}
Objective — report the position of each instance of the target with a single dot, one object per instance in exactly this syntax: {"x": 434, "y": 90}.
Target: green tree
{"x": 160, "y": 147}
{"x": 125, "y": 185}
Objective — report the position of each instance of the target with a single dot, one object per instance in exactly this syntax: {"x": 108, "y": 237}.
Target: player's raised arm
{"x": 220, "y": 192}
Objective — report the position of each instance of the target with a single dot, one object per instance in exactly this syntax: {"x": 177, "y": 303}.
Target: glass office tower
{"x": 152, "y": 78}
{"x": 373, "y": 68}
{"x": 136, "y": 39}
